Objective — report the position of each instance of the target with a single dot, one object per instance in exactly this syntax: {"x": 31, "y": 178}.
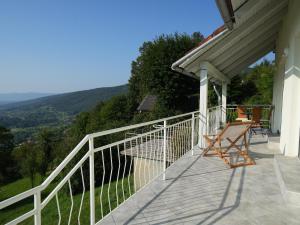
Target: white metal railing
{"x": 214, "y": 115}
{"x": 102, "y": 175}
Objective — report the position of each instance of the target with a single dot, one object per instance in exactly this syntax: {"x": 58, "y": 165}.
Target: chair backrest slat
{"x": 256, "y": 114}
{"x": 234, "y": 130}
{"x": 241, "y": 111}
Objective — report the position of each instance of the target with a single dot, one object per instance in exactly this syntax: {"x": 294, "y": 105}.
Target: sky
{"x": 55, "y": 46}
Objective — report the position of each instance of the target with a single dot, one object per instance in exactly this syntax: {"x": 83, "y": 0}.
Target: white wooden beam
{"x": 214, "y": 72}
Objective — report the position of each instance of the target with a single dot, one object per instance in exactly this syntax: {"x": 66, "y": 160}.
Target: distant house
{"x": 147, "y": 104}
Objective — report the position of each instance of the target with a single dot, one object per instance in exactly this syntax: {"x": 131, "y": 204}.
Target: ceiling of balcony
{"x": 254, "y": 35}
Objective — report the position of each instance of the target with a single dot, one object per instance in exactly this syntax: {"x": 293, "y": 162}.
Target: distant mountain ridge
{"x": 6, "y": 98}
{"x": 26, "y": 117}
{"x": 72, "y": 102}
{"x": 18, "y": 97}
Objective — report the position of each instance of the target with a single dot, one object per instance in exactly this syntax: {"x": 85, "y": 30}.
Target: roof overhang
{"x": 226, "y": 11}
{"x": 231, "y": 51}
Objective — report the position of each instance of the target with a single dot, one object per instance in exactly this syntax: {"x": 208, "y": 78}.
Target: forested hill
{"x": 71, "y": 103}
{"x": 52, "y": 111}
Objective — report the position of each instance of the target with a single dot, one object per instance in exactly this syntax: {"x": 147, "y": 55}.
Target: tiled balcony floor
{"x": 204, "y": 191}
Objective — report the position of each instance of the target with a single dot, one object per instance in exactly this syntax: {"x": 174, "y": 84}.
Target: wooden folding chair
{"x": 256, "y": 119}
{"x": 241, "y": 113}
{"x": 232, "y": 133}
{"x": 266, "y": 123}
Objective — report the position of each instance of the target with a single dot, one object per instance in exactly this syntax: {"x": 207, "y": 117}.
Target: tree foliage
{"x": 7, "y": 164}
{"x": 255, "y": 86}
{"x": 29, "y": 160}
{"x": 45, "y": 146}
{"x": 151, "y": 73}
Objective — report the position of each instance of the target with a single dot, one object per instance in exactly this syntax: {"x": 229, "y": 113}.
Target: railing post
{"x": 165, "y": 149}
{"x": 224, "y": 102}
{"x": 193, "y": 131}
{"x": 92, "y": 181}
{"x": 37, "y": 208}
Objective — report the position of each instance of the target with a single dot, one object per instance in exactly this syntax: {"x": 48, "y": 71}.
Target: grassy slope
{"x": 16, "y": 187}
{"x": 50, "y": 212}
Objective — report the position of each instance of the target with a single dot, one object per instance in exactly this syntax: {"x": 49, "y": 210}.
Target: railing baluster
{"x": 37, "y": 207}
{"x": 193, "y": 131}
{"x": 130, "y": 168}
{"x": 156, "y": 156}
{"x": 165, "y": 149}
{"x": 101, "y": 191}
{"x": 119, "y": 165}
{"x": 181, "y": 139}
{"x": 58, "y": 209}
{"x": 134, "y": 169}
{"x": 145, "y": 159}
{"x": 92, "y": 181}
{"x": 150, "y": 157}
{"x": 109, "y": 183}
{"x": 124, "y": 169}
{"x": 82, "y": 197}
{"x": 72, "y": 202}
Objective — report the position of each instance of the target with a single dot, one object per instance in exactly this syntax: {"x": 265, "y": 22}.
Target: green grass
{"x": 50, "y": 212}
{"x": 16, "y": 187}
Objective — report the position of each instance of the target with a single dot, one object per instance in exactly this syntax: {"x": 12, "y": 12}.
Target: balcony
{"x": 153, "y": 173}
{"x": 202, "y": 190}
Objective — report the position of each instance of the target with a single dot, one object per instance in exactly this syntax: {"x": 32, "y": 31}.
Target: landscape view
{"x": 44, "y": 118}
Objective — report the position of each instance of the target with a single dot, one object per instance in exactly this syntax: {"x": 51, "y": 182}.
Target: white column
{"x": 224, "y": 102}
{"x": 290, "y": 128}
{"x": 203, "y": 106}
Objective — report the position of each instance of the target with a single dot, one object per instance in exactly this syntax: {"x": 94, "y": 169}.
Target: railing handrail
{"x": 250, "y": 106}
{"x": 7, "y": 202}
{"x": 129, "y": 127}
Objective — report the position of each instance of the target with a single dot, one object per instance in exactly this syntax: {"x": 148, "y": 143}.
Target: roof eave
{"x": 176, "y": 65}
{"x": 226, "y": 11}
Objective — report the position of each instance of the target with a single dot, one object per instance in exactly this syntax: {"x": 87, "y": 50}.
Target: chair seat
{"x": 234, "y": 136}
{"x": 243, "y": 119}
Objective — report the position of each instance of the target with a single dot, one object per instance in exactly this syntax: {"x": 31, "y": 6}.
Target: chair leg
{"x": 240, "y": 152}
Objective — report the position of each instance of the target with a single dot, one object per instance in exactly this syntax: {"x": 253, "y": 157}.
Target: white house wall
{"x": 288, "y": 61}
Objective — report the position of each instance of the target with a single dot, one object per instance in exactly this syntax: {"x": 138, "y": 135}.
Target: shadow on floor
{"x": 221, "y": 209}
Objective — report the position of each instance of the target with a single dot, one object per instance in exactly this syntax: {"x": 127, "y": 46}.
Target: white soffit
{"x": 233, "y": 50}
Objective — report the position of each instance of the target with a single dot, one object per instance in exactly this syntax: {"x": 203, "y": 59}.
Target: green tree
{"x": 29, "y": 160}
{"x": 240, "y": 89}
{"x": 253, "y": 86}
{"x": 7, "y": 164}
{"x": 45, "y": 145}
{"x": 262, "y": 77}
{"x": 151, "y": 73}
